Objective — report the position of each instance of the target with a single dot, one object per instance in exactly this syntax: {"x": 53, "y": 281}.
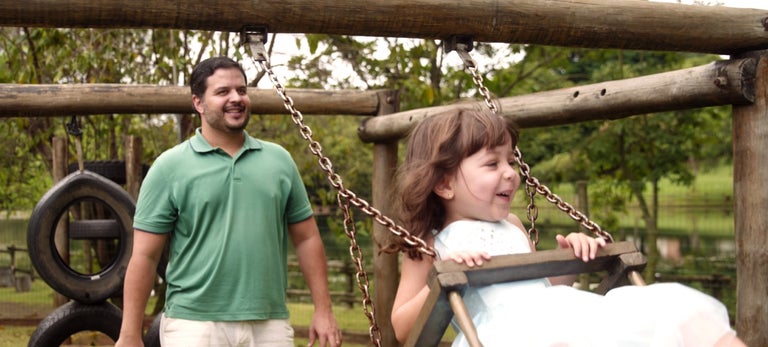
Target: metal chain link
{"x": 532, "y": 184}
{"x": 344, "y": 197}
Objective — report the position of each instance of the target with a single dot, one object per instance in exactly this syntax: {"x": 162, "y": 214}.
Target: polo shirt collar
{"x": 200, "y": 145}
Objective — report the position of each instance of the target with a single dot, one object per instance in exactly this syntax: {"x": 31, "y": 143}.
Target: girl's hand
{"x": 470, "y": 258}
{"x": 584, "y": 246}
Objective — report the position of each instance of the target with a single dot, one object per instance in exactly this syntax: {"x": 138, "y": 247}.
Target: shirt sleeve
{"x": 155, "y": 211}
{"x": 298, "y": 207}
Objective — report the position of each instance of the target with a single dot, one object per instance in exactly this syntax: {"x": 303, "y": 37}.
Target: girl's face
{"x": 483, "y": 187}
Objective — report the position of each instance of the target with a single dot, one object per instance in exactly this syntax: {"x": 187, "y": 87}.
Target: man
{"x": 227, "y": 203}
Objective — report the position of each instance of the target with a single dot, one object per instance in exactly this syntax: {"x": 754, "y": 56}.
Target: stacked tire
{"x": 89, "y": 288}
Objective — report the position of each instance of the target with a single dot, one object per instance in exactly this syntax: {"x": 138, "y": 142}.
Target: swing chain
{"x": 344, "y": 197}
{"x": 361, "y": 276}
{"x": 470, "y": 64}
{"x": 532, "y": 184}
{"x": 335, "y": 179}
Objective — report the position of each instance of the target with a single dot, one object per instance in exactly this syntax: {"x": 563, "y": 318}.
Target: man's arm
{"x": 312, "y": 262}
{"x": 139, "y": 281}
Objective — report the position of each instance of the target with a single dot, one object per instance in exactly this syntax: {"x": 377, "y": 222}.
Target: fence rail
{"x": 11, "y": 275}
{"x": 342, "y": 282}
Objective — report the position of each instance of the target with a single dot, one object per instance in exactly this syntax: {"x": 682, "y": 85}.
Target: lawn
{"x": 38, "y": 302}
{"x": 350, "y": 319}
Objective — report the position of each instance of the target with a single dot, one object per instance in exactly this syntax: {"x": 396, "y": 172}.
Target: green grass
{"x": 40, "y": 298}
{"x": 15, "y": 336}
{"x": 349, "y": 319}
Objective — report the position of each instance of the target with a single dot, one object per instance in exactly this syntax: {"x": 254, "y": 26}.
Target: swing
{"x": 622, "y": 261}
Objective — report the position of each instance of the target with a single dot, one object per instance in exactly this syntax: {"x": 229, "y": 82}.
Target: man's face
{"x": 225, "y": 106}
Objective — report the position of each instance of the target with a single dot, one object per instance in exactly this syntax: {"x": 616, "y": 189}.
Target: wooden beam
{"x": 750, "y": 193}
{"x": 627, "y": 24}
{"x": 48, "y": 100}
{"x": 719, "y": 83}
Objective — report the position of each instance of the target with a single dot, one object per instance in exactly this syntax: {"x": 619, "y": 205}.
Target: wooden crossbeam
{"x": 624, "y": 24}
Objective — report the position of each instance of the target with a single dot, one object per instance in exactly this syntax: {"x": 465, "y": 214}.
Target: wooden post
{"x": 384, "y": 264}
{"x": 60, "y": 159}
{"x": 133, "y": 165}
{"x": 750, "y": 175}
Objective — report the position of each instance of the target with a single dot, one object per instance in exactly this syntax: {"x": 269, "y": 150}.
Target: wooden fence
{"x": 12, "y": 275}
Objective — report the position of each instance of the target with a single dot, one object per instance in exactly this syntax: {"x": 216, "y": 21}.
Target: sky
{"x": 285, "y": 46}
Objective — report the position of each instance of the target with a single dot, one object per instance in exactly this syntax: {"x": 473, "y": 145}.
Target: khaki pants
{"x": 189, "y": 333}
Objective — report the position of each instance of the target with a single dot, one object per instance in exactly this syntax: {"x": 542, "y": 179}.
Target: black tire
{"x": 74, "y": 317}
{"x": 79, "y": 187}
{"x": 114, "y": 170}
{"x": 152, "y": 336}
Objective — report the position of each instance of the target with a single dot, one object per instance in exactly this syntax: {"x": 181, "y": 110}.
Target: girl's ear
{"x": 444, "y": 189}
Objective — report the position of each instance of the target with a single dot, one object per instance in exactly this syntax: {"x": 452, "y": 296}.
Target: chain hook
{"x": 462, "y": 44}
{"x": 256, "y": 37}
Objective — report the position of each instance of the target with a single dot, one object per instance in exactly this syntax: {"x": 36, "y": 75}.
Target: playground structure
{"x": 740, "y": 81}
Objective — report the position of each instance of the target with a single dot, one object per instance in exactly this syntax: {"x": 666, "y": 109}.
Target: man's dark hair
{"x": 206, "y": 68}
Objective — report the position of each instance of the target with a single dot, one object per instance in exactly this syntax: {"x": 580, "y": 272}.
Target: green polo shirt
{"x": 227, "y": 218}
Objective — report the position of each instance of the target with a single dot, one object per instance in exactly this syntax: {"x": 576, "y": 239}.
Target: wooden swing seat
{"x": 448, "y": 279}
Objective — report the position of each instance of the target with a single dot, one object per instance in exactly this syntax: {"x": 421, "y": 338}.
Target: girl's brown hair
{"x": 436, "y": 147}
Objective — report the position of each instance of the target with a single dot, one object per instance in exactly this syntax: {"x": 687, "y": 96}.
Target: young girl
{"x": 455, "y": 190}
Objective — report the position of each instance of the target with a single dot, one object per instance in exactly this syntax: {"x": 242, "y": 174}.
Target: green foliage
{"x": 645, "y": 148}
{"x": 68, "y": 56}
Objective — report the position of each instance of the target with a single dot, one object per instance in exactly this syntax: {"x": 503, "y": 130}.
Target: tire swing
{"x": 114, "y": 170}
{"x": 74, "y": 317}
{"x": 59, "y": 206}
{"x": 622, "y": 261}
{"x": 152, "y": 335}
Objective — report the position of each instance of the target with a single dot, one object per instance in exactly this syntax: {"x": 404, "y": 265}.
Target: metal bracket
{"x": 73, "y": 127}
{"x": 252, "y": 33}
{"x": 454, "y": 41}
{"x": 462, "y": 44}
{"x": 256, "y": 37}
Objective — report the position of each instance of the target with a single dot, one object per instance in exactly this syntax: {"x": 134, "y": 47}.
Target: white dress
{"x": 535, "y": 313}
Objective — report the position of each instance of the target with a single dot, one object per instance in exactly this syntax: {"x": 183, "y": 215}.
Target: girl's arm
{"x": 411, "y": 294}
{"x": 413, "y": 290}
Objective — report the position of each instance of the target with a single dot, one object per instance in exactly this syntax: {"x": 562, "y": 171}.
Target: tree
{"x": 635, "y": 154}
